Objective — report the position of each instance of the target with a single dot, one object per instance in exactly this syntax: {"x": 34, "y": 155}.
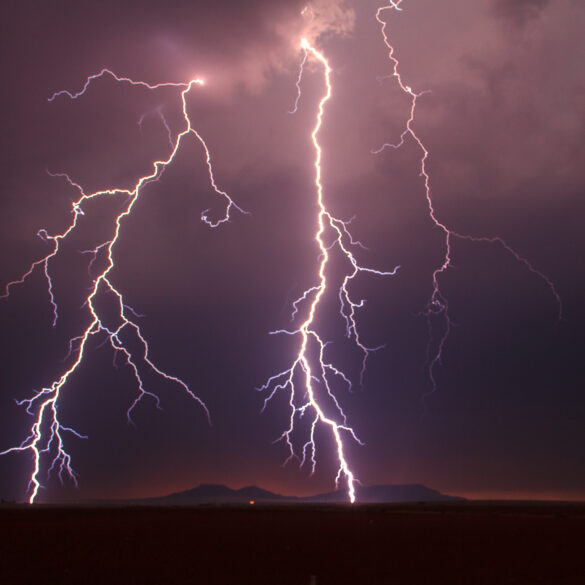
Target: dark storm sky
{"x": 504, "y": 123}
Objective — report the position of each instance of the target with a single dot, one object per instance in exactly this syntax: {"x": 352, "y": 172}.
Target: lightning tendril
{"x": 45, "y": 441}
{"x": 437, "y": 305}
{"x": 309, "y": 381}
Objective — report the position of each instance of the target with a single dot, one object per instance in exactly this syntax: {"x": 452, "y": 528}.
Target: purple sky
{"x": 503, "y": 120}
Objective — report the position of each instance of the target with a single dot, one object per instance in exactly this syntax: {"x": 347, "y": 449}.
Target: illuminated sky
{"x": 503, "y": 120}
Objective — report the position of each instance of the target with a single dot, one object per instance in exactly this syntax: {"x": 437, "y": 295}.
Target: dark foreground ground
{"x": 455, "y": 543}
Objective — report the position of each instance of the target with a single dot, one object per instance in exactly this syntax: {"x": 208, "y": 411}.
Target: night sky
{"x": 503, "y": 118}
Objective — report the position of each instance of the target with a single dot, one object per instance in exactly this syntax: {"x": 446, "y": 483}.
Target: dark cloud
{"x": 519, "y": 12}
{"x": 503, "y": 122}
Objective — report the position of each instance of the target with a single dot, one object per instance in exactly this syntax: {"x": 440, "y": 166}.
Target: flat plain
{"x": 468, "y": 543}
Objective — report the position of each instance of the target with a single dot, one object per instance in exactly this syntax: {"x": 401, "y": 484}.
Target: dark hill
{"x": 221, "y": 494}
{"x": 380, "y": 494}
{"x": 218, "y": 494}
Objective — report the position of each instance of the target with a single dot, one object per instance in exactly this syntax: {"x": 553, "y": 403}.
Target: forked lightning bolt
{"x": 45, "y": 441}
{"x": 309, "y": 381}
{"x": 312, "y": 380}
{"x": 437, "y": 304}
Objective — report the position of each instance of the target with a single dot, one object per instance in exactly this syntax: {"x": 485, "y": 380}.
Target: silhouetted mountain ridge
{"x": 221, "y": 494}
{"x": 387, "y": 494}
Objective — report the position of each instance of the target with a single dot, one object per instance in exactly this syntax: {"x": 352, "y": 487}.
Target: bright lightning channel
{"x": 313, "y": 393}
{"x": 437, "y": 305}
{"x": 45, "y": 441}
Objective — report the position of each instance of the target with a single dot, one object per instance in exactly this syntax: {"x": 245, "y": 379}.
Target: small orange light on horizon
{"x": 251, "y": 502}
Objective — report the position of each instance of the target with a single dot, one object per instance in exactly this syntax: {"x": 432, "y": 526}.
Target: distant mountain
{"x": 218, "y": 494}
{"x": 221, "y": 494}
{"x": 380, "y": 494}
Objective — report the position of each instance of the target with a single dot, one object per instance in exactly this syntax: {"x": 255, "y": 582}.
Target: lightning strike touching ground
{"x": 309, "y": 380}
{"x": 438, "y": 305}
{"x": 45, "y": 441}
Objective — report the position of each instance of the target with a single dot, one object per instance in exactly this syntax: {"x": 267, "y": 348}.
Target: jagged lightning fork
{"x": 438, "y": 304}
{"x": 45, "y": 440}
{"x": 314, "y": 394}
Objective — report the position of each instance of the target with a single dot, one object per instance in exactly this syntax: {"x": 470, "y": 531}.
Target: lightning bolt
{"x": 45, "y": 440}
{"x": 309, "y": 381}
{"x": 438, "y": 305}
